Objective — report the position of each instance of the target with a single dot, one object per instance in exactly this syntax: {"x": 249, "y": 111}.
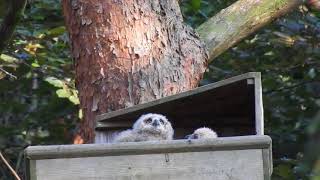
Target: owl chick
{"x": 149, "y": 127}
{"x": 202, "y": 133}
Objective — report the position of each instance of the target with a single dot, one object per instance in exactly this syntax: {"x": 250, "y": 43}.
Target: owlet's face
{"x": 202, "y": 133}
{"x": 154, "y": 124}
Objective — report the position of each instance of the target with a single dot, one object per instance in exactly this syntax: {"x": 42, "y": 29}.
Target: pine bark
{"x": 130, "y": 52}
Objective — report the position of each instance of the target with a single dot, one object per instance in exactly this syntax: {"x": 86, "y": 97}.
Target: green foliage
{"x": 197, "y": 11}
{"x": 40, "y": 106}
{"x": 287, "y": 53}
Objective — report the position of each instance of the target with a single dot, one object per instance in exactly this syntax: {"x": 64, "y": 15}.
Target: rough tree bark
{"x": 131, "y": 52}
{"x": 14, "y": 11}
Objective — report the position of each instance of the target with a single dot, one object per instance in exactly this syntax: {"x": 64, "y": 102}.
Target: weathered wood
{"x": 147, "y": 147}
{"x": 232, "y": 107}
{"x": 218, "y": 165}
{"x": 218, "y": 159}
{"x": 267, "y": 163}
{"x": 258, "y": 109}
{"x": 239, "y": 21}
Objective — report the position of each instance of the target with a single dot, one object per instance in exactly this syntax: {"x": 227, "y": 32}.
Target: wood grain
{"x": 217, "y": 165}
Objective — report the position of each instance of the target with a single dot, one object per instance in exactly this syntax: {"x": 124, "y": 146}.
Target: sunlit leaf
{"x": 63, "y": 93}
{"x": 270, "y": 53}
{"x": 2, "y": 75}
{"x": 32, "y": 48}
{"x": 312, "y": 73}
{"x": 40, "y": 36}
{"x": 74, "y": 99}
{"x": 55, "y": 82}
{"x": 80, "y": 114}
{"x": 8, "y": 58}
{"x": 35, "y": 64}
{"x": 43, "y": 133}
{"x": 57, "y": 31}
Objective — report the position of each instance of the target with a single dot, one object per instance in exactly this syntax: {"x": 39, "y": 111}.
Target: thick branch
{"x": 13, "y": 14}
{"x": 240, "y": 20}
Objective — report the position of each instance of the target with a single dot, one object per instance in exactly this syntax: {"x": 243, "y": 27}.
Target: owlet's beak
{"x": 155, "y": 123}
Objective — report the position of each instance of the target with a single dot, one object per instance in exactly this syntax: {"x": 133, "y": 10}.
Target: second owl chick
{"x": 202, "y": 133}
{"x": 149, "y": 127}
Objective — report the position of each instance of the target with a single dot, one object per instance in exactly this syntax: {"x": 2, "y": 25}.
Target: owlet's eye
{"x": 148, "y": 121}
{"x": 161, "y": 121}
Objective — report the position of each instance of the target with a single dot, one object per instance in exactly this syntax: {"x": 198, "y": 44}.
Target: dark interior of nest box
{"x": 228, "y": 107}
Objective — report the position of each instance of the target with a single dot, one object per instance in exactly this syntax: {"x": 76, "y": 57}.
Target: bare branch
{"x": 10, "y": 168}
{"x": 7, "y": 73}
{"x": 288, "y": 87}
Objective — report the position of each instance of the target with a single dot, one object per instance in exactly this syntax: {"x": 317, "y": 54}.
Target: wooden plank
{"x": 255, "y": 75}
{"x": 217, "y": 165}
{"x": 147, "y": 147}
{"x": 33, "y": 170}
{"x": 267, "y": 163}
{"x": 219, "y": 159}
{"x": 259, "y": 106}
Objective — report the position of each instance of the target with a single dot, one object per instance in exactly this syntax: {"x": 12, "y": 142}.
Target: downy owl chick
{"x": 149, "y": 127}
{"x": 202, "y": 133}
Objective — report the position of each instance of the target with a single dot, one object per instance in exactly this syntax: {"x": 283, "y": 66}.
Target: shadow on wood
{"x": 232, "y": 107}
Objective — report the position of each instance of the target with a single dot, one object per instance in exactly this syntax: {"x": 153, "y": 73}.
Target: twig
{"x": 288, "y": 87}
{"x": 20, "y": 157}
{"x": 8, "y": 165}
{"x": 7, "y": 73}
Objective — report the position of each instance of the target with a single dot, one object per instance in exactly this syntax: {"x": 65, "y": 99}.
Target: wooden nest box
{"x": 232, "y": 107}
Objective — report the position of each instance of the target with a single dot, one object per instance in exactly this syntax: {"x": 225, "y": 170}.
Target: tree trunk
{"x": 14, "y": 11}
{"x": 130, "y": 52}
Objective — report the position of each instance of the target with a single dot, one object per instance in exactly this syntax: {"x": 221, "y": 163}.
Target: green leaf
{"x": 55, "y": 82}
{"x": 2, "y": 75}
{"x": 36, "y": 65}
{"x": 284, "y": 171}
{"x": 57, "y": 31}
{"x": 80, "y": 114}
{"x": 63, "y": 93}
{"x": 8, "y": 58}
{"x": 270, "y": 53}
{"x": 312, "y": 73}
{"x": 74, "y": 99}
{"x": 196, "y": 4}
